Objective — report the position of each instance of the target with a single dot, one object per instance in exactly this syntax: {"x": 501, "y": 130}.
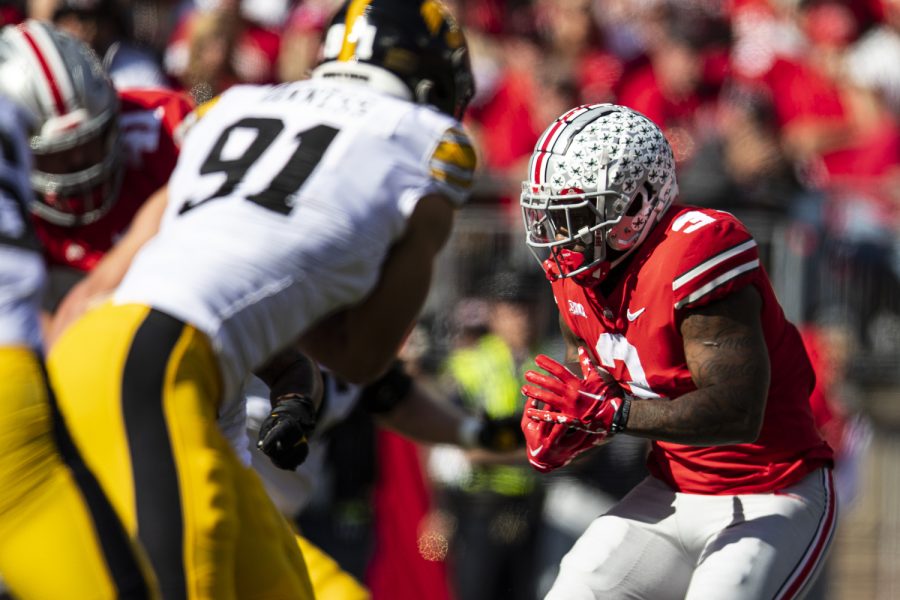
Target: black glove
{"x": 501, "y": 435}
{"x": 284, "y": 435}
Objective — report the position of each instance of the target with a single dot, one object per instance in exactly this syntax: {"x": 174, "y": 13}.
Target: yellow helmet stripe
{"x": 354, "y": 11}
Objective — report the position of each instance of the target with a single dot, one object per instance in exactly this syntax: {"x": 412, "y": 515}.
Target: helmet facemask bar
{"x": 577, "y": 222}
{"x": 73, "y": 129}
{"x": 72, "y": 198}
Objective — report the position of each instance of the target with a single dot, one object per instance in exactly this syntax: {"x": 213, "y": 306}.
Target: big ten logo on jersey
{"x": 577, "y": 309}
{"x": 140, "y": 133}
{"x": 692, "y": 221}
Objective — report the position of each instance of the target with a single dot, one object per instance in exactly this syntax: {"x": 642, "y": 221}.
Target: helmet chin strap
{"x": 599, "y": 251}
{"x": 603, "y": 268}
{"x": 600, "y": 247}
{"x": 573, "y": 260}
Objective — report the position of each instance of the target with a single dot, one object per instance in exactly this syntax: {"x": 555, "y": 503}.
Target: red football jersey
{"x": 693, "y": 257}
{"x": 150, "y": 125}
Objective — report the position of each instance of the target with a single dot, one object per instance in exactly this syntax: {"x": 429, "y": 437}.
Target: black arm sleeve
{"x": 383, "y": 394}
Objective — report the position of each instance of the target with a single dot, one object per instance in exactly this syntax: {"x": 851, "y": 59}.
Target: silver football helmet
{"x": 600, "y": 177}
{"x": 61, "y": 83}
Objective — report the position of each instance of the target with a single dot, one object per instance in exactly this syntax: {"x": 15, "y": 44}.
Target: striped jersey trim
{"x": 454, "y": 160}
{"x": 702, "y": 291}
{"x": 712, "y": 262}
{"x": 811, "y": 561}
{"x": 455, "y": 177}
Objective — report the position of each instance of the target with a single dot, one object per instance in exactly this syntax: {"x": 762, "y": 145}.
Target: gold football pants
{"x": 140, "y": 391}
{"x": 329, "y": 580}
{"x": 59, "y": 537}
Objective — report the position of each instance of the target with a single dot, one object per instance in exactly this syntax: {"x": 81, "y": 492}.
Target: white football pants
{"x": 657, "y": 544}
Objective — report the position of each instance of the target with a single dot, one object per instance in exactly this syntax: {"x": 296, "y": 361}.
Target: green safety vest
{"x": 489, "y": 380}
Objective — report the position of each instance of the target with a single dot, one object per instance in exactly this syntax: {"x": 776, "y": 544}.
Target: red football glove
{"x": 577, "y": 413}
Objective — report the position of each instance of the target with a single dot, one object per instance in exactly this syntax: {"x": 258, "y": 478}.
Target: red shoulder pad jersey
{"x": 693, "y": 257}
{"x": 150, "y": 122}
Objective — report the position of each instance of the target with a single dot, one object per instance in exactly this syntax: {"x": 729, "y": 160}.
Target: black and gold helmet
{"x": 416, "y": 41}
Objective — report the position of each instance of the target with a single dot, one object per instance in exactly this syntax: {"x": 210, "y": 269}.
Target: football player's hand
{"x": 500, "y": 435}
{"x": 566, "y": 415}
{"x": 284, "y": 435}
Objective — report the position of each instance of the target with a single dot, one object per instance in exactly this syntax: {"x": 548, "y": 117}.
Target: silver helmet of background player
{"x": 61, "y": 83}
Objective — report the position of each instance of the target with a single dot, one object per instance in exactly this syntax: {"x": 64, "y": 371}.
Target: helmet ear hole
{"x": 435, "y": 93}
{"x": 640, "y": 198}
{"x": 636, "y": 204}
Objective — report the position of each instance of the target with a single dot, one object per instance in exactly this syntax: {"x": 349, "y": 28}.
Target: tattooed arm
{"x": 729, "y": 363}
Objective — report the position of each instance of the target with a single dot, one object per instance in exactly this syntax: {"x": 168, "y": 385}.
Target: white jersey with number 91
{"x": 283, "y": 206}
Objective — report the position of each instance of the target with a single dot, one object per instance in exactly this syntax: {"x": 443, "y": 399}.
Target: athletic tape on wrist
{"x": 620, "y": 419}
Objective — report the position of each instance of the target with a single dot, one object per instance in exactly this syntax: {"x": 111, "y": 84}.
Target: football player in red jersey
{"x": 99, "y": 154}
{"x": 676, "y": 336}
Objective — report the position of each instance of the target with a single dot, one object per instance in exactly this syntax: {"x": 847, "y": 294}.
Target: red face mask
{"x": 565, "y": 261}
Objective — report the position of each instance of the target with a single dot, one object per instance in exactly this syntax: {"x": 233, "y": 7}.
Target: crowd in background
{"x": 786, "y": 112}
{"x": 785, "y": 107}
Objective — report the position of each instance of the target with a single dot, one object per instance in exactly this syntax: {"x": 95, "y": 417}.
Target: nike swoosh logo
{"x": 634, "y": 315}
{"x": 536, "y": 450}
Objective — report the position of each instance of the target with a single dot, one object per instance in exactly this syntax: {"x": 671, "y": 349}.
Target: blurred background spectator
{"x": 105, "y": 26}
{"x": 219, "y": 43}
{"x": 492, "y": 504}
